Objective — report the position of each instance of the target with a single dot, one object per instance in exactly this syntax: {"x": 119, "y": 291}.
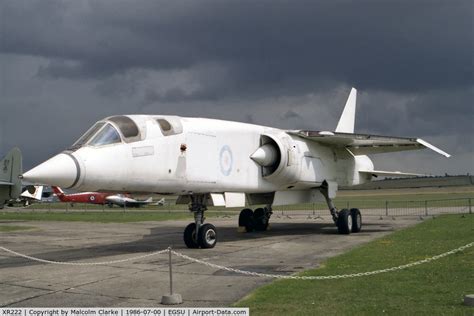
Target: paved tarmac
{"x": 291, "y": 245}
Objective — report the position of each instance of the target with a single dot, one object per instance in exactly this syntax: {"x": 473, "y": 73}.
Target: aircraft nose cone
{"x": 62, "y": 170}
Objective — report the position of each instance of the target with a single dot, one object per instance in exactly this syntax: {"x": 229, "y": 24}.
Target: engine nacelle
{"x": 279, "y": 159}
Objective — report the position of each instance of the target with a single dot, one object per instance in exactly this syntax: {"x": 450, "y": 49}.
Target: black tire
{"x": 260, "y": 220}
{"x": 344, "y": 222}
{"x": 207, "y": 236}
{"x": 356, "y": 220}
{"x": 246, "y": 220}
{"x": 189, "y": 236}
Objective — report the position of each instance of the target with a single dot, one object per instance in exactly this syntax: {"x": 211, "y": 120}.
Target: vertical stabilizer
{"x": 347, "y": 120}
{"x": 10, "y": 171}
{"x": 60, "y": 194}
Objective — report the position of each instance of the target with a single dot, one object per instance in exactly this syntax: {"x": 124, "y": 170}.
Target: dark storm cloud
{"x": 288, "y": 64}
{"x": 396, "y": 45}
{"x": 432, "y": 112}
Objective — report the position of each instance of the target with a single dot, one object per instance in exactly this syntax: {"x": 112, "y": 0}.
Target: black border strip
{"x": 78, "y": 170}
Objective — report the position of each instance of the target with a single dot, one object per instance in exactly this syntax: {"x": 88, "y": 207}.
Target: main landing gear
{"x": 347, "y": 221}
{"x": 255, "y": 220}
{"x": 198, "y": 234}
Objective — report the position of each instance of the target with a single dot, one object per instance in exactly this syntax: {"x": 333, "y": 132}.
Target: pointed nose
{"x": 62, "y": 171}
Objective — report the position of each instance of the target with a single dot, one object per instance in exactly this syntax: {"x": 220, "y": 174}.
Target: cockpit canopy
{"x": 112, "y": 130}
{"x": 124, "y": 129}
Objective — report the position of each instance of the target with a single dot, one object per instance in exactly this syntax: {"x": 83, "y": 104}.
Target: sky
{"x": 286, "y": 64}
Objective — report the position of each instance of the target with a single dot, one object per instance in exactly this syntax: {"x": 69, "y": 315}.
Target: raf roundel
{"x": 226, "y": 160}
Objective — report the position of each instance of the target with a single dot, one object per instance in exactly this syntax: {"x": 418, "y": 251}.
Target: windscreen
{"x": 87, "y": 136}
{"x": 108, "y": 135}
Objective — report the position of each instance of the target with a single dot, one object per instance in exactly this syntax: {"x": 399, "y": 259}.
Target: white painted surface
{"x": 143, "y": 151}
{"x": 347, "y": 120}
{"x": 234, "y": 199}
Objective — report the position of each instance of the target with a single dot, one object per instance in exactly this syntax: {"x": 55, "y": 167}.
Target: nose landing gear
{"x": 198, "y": 234}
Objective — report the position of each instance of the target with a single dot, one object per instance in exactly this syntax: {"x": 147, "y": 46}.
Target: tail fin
{"x": 57, "y": 190}
{"x": 347, "y": 120}
{"x": 10, "y": 171}
{"x": 59, "y": 193}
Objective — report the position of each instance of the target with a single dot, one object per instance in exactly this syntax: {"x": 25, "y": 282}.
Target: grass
{"x": 367, "y": 199}
{"x": 8, "y": 228}
{"x": 378, "y": 201}
{"x": 435, "y": 288}
{"x": 101, "y": 217}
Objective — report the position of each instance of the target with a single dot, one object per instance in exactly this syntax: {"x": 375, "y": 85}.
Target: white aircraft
{"x": 161, "y": 202}
{"x": 222, "y": 163}
{"x": 126, "y": 201}
{"x": 31, "y": 194}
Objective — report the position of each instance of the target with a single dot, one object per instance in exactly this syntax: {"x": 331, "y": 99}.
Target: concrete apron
{"x": 291, "y": 245}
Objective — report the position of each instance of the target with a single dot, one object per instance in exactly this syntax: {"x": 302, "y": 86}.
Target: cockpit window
{"x": 108, "y": 135}
{"x": 164, "y": 125}
{"x": 169, "y": 128}
{"x": 126, "y": 125}
{"x": 87, "y": 136}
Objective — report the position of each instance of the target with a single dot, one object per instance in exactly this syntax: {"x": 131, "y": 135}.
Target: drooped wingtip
{"x": 433, "y": 148}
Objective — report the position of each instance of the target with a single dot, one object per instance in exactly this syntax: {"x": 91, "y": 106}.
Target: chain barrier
{"x": 323, "y": 277}
{"x": 82, "y": 263}
{"x": 265, "y": 275}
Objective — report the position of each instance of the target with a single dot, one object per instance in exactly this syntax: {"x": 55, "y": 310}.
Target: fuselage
{"x": 177, "y": 155}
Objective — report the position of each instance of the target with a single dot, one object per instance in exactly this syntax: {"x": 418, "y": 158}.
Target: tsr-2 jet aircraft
{"x": 222, "y": 163}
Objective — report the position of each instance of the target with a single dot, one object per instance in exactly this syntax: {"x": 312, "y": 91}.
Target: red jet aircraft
{"x": 122, "y": 200}
{"x": 85, "y": 197}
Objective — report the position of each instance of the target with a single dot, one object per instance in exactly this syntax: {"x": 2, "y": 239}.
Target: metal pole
{"x": 171, "y": 299}
{"x": 426, "y": 208}
{"x": 386, "y": 208}
{"x": 470, "y": 206}
{"x": 171, "y": 271}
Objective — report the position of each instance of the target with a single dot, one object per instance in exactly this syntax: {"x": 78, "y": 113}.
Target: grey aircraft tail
{"x": 10, "y": 172}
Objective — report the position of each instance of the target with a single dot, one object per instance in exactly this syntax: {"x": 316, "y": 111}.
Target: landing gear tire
{"x": 207, "y": 236}
{"x": 356, "y": 220}
{"x": 344, "y": 222}
{"x": 189, "y": 236}
{"x": 260, "y": 219}
{"x": 246, "y": 219}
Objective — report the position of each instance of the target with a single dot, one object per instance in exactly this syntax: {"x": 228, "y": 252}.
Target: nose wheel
{"x": 205, "y": 238}
{"x": 198, "y": 234}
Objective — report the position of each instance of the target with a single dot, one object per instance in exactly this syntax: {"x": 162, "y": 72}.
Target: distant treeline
{"x": 416, "y": 182}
